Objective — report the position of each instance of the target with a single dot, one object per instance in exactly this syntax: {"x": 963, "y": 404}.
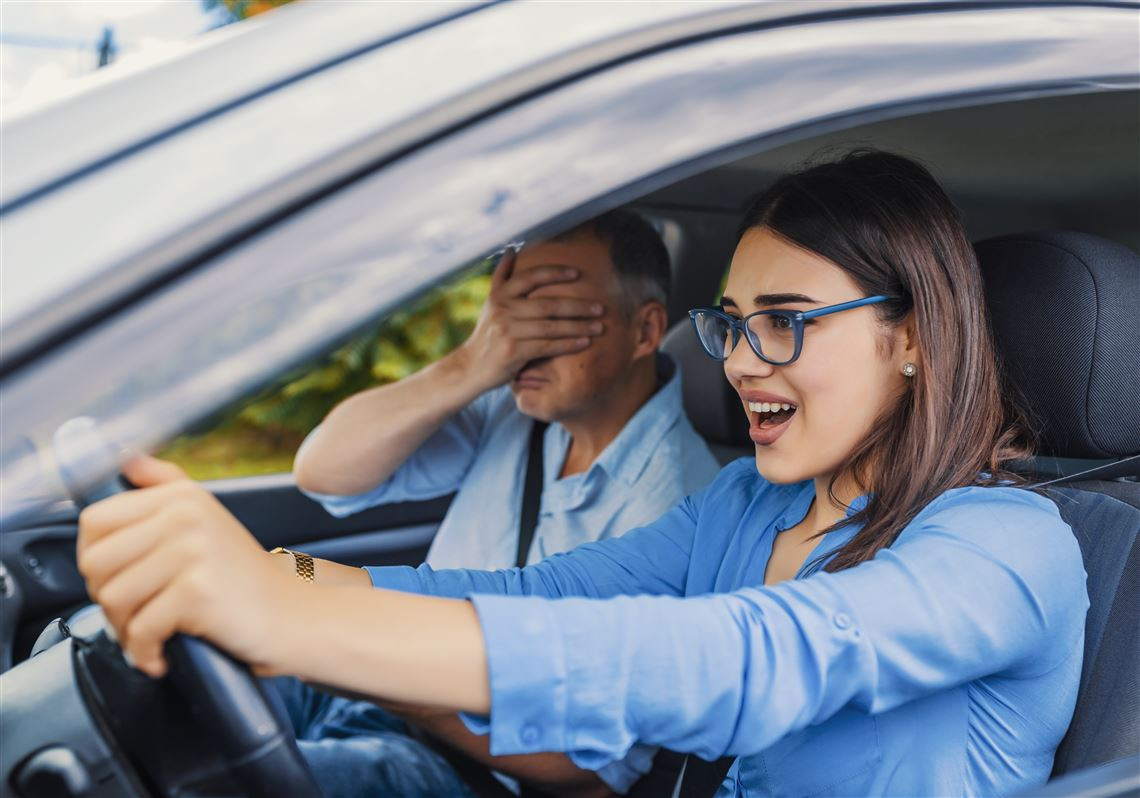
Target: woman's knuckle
{"x": 134, "y": 631}
{"x": 86, "y": 563}
{"x": 199, "y": 584}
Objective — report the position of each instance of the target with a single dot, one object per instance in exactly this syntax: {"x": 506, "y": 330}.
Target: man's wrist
{"x": 464, "y": 378}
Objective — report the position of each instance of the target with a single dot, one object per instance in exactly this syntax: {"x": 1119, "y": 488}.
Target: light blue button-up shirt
{"x": 946, "y": 665}
{"x": 654, "y": 462}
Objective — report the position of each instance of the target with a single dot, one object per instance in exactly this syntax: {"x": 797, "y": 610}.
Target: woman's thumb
{"x": 144, "y": 471}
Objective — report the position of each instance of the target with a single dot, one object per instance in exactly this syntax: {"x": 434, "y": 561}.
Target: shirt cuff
{"x": 527, "y": 672}
{"x": 619, "y": 775}
{"x": 394, "y": 577}
{"x": 622, "y": 774}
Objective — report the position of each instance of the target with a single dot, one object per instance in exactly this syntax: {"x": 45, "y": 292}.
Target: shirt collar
{"x": 627, "y": 455}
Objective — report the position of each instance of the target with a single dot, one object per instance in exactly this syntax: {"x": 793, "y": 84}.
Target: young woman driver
{"x": 870, "y": 606}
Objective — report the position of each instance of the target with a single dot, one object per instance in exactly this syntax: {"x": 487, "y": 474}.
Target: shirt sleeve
{"x": 986, "y": 584}
{"x": 436, "y": 468}
{"x": 653, "y": 559}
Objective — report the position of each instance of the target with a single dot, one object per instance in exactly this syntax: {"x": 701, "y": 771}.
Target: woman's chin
{"x": 776, "y": 469}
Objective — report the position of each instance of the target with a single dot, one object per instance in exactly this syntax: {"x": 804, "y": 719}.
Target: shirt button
{"x": 529, "y": 735}
{"x": 842, "y": 620}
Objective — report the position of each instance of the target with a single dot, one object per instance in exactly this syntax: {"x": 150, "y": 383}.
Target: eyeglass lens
{"x": 774, "y": 333}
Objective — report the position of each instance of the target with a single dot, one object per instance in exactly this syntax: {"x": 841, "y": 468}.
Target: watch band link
{"x": 306, "y": 570}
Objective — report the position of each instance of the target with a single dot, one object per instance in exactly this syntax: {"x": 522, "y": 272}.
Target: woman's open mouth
{"x": 768, "y": 420}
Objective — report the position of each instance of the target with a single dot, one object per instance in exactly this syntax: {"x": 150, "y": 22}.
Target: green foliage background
{"x": 261, "y": 435}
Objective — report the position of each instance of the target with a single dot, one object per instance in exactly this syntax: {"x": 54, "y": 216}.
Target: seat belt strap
{"x": 1128, "y": 466}
{"x": 532, "y": 492}
{"x": 676, "y": 775}
{"x": 702, "y": 779}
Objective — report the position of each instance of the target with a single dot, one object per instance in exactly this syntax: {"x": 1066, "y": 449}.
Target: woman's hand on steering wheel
{"x": 169, "y": 558}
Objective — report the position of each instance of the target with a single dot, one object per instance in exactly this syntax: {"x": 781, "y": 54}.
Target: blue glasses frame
{"x": 795, "y": 317}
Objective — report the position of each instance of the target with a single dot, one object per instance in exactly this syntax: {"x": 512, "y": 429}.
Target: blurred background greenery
{"x": 261, "y": 435}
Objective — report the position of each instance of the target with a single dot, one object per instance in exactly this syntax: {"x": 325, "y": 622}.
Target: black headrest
{"x": 1065, "y": 309}
{"x": 709, "y": 401}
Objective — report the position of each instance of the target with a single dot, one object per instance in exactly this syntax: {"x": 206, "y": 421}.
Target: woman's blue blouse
{"x": 946, "y": 665}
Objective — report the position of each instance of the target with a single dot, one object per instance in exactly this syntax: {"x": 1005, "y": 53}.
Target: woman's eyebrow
{"x": 783, "y": 299}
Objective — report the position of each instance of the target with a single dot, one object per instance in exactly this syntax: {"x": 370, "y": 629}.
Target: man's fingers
{"x": 539, "y": 348}
{"x": 145, "y": 471}
{"x": 522, "y": 283}
{"x": 504, "y": 268}
{"x": 556, "y": 308}
{"x": 555, "y": 328}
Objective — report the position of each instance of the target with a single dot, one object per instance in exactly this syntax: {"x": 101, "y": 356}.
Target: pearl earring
{"x": 909, "y": 369}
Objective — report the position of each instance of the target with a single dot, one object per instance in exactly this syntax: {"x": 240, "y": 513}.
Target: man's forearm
{"x": 367, "y": 437}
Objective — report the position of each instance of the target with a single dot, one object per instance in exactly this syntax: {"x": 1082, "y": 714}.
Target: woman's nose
{"x": 743, "y": 363}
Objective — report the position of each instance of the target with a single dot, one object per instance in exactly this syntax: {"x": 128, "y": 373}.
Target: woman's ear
{"x": 649, "y": 325}
{"x": 906, "y": 342}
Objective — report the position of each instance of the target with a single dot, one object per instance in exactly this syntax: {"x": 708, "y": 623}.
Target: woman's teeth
{"x": 768, "y": 407}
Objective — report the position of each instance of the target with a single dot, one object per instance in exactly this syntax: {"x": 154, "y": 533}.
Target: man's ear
{"x": 649, "y": 325}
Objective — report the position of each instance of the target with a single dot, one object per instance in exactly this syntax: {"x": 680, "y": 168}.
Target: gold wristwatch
{"x": 302, "y": 561}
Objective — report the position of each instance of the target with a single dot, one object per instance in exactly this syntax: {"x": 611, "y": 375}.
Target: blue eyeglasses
{"x": 776, "y": 336}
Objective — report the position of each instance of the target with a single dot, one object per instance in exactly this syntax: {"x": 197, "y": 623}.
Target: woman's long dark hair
{"x": 887, "y": 223}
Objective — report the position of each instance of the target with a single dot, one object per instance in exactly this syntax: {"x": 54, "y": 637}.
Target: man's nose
{"x": 743, "y": 363}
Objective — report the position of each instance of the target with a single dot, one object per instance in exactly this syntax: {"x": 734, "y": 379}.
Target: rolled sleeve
{"x": 528, "y": 706}
{"x": 395, "y": 577}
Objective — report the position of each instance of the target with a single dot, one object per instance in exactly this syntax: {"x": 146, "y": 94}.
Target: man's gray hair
{"x": 641, "y": 262}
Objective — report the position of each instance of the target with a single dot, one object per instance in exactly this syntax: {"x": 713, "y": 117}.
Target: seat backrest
{"x": 709, "y": 401}
{"x": 1065, "y": 310}
{"x": 1106, "y": 723}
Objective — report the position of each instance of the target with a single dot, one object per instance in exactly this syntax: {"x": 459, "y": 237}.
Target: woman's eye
{"x": 780, "y": 323}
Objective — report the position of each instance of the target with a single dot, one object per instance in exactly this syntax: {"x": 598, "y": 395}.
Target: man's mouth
{"x": 528, "y": 378}
{"x": 768, "y": 420}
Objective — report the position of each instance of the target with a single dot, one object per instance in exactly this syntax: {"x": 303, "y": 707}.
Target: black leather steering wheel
{"x": 226, "y": 699}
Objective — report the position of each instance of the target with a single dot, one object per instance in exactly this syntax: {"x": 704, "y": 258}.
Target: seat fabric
{"x": 1106, "y": 723}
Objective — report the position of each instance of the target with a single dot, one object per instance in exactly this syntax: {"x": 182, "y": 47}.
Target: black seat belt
{"x": 700, "y": 778}
{"x": 532, "y": 492}
{"x": 675, "y": 775}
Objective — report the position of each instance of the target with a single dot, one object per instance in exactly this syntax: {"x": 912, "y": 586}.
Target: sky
{"x": 46, "y": 44}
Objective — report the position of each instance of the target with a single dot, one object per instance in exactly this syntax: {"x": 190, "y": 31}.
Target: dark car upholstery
{"x": 1065, "y": 309}
{"x": 712, "y": 406}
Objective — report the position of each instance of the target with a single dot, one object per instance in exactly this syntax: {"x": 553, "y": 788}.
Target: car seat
{"x": 1065, "y": 310}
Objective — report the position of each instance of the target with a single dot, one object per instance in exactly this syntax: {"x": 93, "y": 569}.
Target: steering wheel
{"x": 225, "y": 698}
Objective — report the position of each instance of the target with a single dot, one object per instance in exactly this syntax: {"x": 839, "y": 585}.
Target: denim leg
{"x": 356, "y": 749}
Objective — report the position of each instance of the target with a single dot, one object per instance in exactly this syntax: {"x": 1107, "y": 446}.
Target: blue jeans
{"x": 357, "y": 749}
